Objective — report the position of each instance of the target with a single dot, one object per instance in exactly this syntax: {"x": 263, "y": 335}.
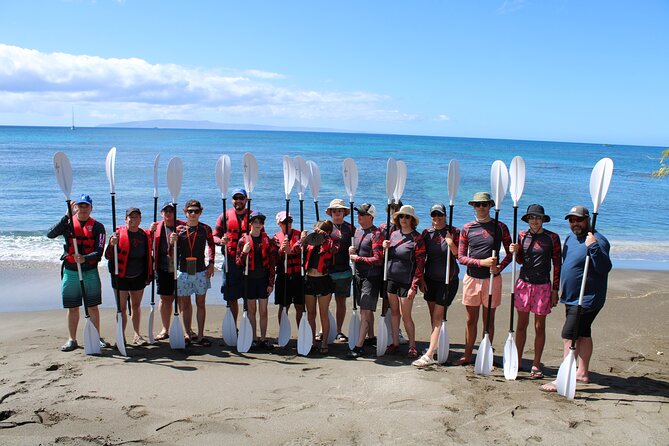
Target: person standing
{"x": 440, "y": 241}
{"x": 479, "y": 240}
{"x": 366, "y": 252}
{"x": 259, "y": 253}
{"x": 194, "y": 274}
{"x": 406, "y": 264}
{"x": 536, "y": 250}
{"x": 134, "y": 268}
{"x": 288, "y": 289}
{"x": 580, "y": 243}
{"x": 236, "y": 223}
{"x": 340, "y": 273}
{"x": 90, "y": 238}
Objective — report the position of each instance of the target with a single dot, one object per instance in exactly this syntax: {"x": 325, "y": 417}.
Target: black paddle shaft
{"x": 74, "y": 240}
{"x": 225, "y": 254}
{"x": 285, "y": 263}
{"x": 116, "y": 292}
{"x": 448, "y": 253}
{"x": 355, "y": 284}
{"x": 384, "y": 307}
{"x": 176, "y": 250}
{"x": 579, "y": 310}
{"x": 153, "y": 278}
{"x": 246, "y": 270}
{"x": 513, "y": 285}
{"x": 302, "y": 284}
{"x": 494, "y": 245}
{"x": 318, "y": 217}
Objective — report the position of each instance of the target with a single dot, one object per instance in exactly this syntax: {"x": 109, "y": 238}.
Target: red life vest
{"x": 159, "y": 231}
{"x": 124, "y": 250}
{"x": 326, "y": 258}
{"x": 234, "y": 232}
{"x": 85, "y": 240}
{"x": 266, "y": 247}
{"x": 293, "y": 259}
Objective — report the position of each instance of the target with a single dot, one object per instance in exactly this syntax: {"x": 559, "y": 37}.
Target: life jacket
{"x": 234, "y": 232}
{"x": 326, "y": 255}
{"x": 266, "y": 247}
{"x": 85, "y": 240}
{"x": 159, "y": 232}
{"x": 293, "y": 259}
{"x": 124, "y": 250}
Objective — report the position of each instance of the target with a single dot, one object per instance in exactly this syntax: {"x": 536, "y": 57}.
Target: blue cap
{"x": 239, "y": 191}
{"x": 84, "y": 199}
{"x": 257, "y": 214}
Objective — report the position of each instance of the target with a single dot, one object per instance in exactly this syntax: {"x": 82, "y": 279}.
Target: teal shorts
{"x": 71, "y": 288}
{"x": 198, "y": 283}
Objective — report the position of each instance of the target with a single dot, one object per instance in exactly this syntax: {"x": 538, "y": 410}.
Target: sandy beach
{"x": 215, "y": 395}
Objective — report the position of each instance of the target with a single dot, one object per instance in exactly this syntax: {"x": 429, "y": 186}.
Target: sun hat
{"x": 405, "y": 210}
{"x": 131, "y": 210}
{"x": 239, "y": 191}
{"x": 366, "y": 209}
{"x": 482, "y": 197}
{"x": 535, "y": 209}
{"x": 84, "y": 199}
{"x": 577, "y": 211}
{"x": 281, "y": 216}
{"x": 438, "y": 207}
{"x": 257, "y": 215}
{"x": 337, "y": 203}
{"x": 168, "y": 204}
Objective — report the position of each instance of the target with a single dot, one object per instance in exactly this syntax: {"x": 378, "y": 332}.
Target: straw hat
{"x": 405, "y": 210}
{"x": 337, "y": 203}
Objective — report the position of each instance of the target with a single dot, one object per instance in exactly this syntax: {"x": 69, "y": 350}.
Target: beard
{"x": 239, "y": 205}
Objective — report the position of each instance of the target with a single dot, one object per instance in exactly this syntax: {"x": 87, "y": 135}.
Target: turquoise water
{"x": 632, "y": 216}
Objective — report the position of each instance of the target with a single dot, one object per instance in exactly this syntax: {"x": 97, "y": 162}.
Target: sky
{"x": 562, "y": 70}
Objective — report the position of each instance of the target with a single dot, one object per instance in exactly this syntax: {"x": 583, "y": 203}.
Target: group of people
{"x": 392, "y": 262}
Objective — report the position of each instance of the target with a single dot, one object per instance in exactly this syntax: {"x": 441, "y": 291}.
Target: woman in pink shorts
{"x": 536, "y": 250}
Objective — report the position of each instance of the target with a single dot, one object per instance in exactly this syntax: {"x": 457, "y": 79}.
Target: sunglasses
{"x": 238, "y": 198}
{"x": 484, "y": 204}
{"x": 535, "y": 217}
{"x": 193, "y": 211}
{"x": 437, "y": 214}
{"x": 405, "y": 216}
{"x": 290, "y": 220}
{"x": 576, "y": 219}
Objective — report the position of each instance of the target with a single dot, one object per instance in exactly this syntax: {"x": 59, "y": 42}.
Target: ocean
{"x": 633, "y": 215}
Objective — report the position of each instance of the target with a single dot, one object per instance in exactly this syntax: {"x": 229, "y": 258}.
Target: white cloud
{"x": 442, "y": 118}
{"x": 132, "y": 88}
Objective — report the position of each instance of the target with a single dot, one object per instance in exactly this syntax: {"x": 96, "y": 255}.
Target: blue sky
{"x": 585, "y": 71}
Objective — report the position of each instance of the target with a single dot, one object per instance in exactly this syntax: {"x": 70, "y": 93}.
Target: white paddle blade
{"x": 483, "y": 364}
{"x": 517, "y": 177}
{"x": 381, "y": 337}
{"x": 245, "y": 337}
{"x": 305, "y": 337}
{"x": 453, "y": 179}
{"x": 401, "y": 180}
{"x": 350, "y": 172}
{"x": 444, "y": 345}
{"x": 177, "y": 339}
{"x": 152, "y": 339}
{"x": 353, "y": 329}
{"x": 223, "y": 174}
{"x": 566, "y": 377}
{"x": 510, "y": 358}
{"x": 301, "y": 175}
{"x": 63, "y": 170}
{"x": 499, "y": 182}
{"x": 391, "y": 178}
{"x": 120, "y": 339}
{"x": 91, "y": 339}
{"x": 285, "y": 330}
{"x": 156, "y": 162}
{"x": 288, "y": 176}
{"x": 250, "y": 166}
{"x": 110, "y": 167}
{"x": 600, "y": 179}
{"x": 175, "y": 174}
{"x": 314, "y": 179}
{"x": 332, "y": 334}
{"x": 229, "y": 329}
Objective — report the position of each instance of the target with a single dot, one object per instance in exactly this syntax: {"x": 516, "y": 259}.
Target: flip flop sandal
{"x": 341, "y": 337}
{"x": 162, "y": 336}
{"x": 392, "y": 349}
{"x": 423, "y": 361}
{"x": 204, "y": 342}
{"x": 413, "y": 353}
{"x": 536, "y": 373}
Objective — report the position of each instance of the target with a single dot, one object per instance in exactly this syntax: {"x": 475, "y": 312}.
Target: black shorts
{"x": 368, "y": 289}
{"x": 342, "y": 287}
{"x": 436, "y": 291}
{"x": 165, "y": 283}
{"x": 318, "y": 286}
{"x": 128, "y": 283}
{"x": 293, "y": 290}
{"x": 584, "y": 324}
{"x": 235, "y": 283}
{"x": 400, "y": 289}
{"x": 257, "y": 288}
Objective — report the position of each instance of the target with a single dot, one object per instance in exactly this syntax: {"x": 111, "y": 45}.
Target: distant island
{"x": 208, "y": 125}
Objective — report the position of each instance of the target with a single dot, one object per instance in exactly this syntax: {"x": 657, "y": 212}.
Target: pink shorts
{"x": 475, "y": 291}
{"x": 533, "y": 298}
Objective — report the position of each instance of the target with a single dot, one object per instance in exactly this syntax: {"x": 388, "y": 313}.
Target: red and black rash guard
{"x": 436, "y": 249}
{"x": 369, "y": 247}
{"x": 342, "y": 234}
{"x": 536, "y": 254}
{"x": 476, "y": 244}
{"x": 406, "y": 258}
{"x": 192, "y": 242}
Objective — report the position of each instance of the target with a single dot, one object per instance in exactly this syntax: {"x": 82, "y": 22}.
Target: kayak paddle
{"x": 350, "y": 172}
{"x": 381, "y": 329}
{"x": 285, "y": 330}
{"x": 152, "y": 339}
{"x": 174, "y": 179}
{"x": 228, "y": 327}
{"x": 304, "y": 332}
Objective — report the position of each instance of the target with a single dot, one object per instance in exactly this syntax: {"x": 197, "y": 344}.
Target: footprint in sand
{"x": 136, "y": 411}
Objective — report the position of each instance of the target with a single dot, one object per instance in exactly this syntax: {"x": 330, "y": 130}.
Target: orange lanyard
{"x": 191, "y": 245}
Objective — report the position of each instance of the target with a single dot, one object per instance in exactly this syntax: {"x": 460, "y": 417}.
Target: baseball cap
{"x": 257, "y": 215}
{"x": 438, "y": 207}
{"x": 366, "y": 209}
{"x": 239, "y": 191}
{"x": 85, "y": 198}
{"x": 281, "y": 216}
{"x": 168, "y": 204}
{"x": 577, "y": 211}
{"x": 131, "y": 210}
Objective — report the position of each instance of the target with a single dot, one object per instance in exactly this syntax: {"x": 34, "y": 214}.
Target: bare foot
{"x": 548, "y": 387}
{"x": 464, "y": 361}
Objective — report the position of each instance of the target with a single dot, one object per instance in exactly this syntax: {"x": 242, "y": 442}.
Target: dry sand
{"x": 216, "y": 396}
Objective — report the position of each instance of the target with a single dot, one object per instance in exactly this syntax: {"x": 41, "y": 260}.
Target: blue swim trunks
{"x": 188, "y": 285}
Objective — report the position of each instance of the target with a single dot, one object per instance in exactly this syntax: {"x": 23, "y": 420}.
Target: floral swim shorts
{"x": 535, "y": 298}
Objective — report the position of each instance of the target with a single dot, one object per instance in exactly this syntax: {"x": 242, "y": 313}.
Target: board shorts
{"x": 533, "y": 297}
{"x": 165, "y": 280}
{"x": 235, "y": 281}
{"x": 319, "y": 286}
{"x": 257, "y": 288}
{"x": 197, "y": 283}
{"x": 397, "y": 288}
{"x": 129, "y": 283}
{"x": 341, "y": 283}
{"x": 584, "y": 324}
{"x": 436, "y": 291}
{"x": 475, "y": 291}
{"x": 293, "y": 290}
{"x": 368, "y": 289}
{"x": 71, "y": 288}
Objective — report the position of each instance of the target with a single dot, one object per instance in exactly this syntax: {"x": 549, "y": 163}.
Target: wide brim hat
{"x": 337, "y": 203}
{"x": 405, "y": 210}
{"x": 536, "y": 209}
{"x": 482, "y": 197}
